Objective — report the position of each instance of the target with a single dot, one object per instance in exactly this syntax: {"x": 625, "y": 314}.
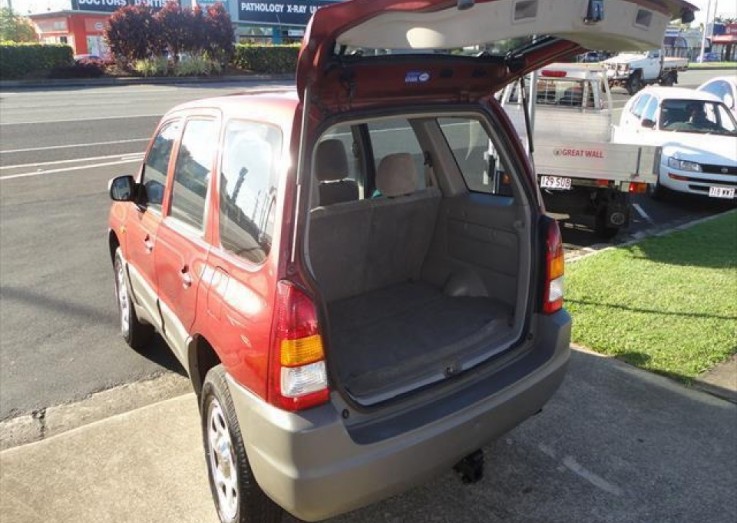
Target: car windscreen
{"x": 696, "y": 116}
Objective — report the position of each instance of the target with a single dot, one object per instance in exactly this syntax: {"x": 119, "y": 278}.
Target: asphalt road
{"x": 59, "y": 146}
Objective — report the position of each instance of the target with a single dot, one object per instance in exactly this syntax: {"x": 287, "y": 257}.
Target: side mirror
{"x": 648, "y": 124}
{"x": 122, "y": 189}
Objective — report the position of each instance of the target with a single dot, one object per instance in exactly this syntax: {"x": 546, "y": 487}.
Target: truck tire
{"x": 669, "y": 79}
{"x": 135, "y": 333}
{"x": 634, "y": 83}
{"x": 602, "y": 229}
{"x": 237, "y": 496}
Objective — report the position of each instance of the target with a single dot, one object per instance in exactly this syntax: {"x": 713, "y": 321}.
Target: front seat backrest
{"x": 396, "y": 175}
{"x": 331, "y": 170}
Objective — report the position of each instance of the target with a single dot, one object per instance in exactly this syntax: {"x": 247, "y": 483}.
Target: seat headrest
{"x": 331, "y": 161}
{"x": 396, "y": 175}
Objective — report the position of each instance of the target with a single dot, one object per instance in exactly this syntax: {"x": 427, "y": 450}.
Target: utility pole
{"x": 703, "y": 34}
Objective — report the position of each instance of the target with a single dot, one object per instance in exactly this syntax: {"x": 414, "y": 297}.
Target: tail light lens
{"x": 554, "y": 268}
{"x": 637, "y": 188}
{"x": 297, "y": 372}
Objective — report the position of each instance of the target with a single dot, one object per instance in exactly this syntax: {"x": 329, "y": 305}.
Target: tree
{"x": 219, "y": 34}
{"x": 16, "y": 28}
{"x": 175, "y": 28}
{"x": 132, "y": 32}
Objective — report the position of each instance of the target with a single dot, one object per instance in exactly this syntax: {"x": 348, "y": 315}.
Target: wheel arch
{"x": 113, "y": 243}
{"x": 201, "y": 357}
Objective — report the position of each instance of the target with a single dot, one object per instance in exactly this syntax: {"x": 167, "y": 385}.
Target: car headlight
{"x": 684, "y": 165}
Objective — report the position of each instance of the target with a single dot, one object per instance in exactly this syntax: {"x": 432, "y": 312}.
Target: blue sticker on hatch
{"x": 416, "y": 77}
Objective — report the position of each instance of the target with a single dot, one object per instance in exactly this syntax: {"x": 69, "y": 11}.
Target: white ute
{"x": 581, "y": 170}
{"x": 633, "y": 71}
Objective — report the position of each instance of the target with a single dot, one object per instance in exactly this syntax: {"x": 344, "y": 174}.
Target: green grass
{"x": 713, "y": 65}
{"x": 667, "y": 304}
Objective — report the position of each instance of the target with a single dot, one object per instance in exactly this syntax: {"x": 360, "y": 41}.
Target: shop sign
{"x": 279, "y": 12}
{"x": 109, "y": 6}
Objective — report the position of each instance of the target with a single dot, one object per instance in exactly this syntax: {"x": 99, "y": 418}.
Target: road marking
{"x": 572, "y": 465}
{"x": 50, "y": 147}
{"x": 158, "y": 115}
{"x": 642, "y": 213}
{"x": 65, "y": 169}
{"x": 136, "y": 156}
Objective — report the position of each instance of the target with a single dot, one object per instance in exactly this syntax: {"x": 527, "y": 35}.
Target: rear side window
{"x": 157, "y": 163}
{"x": 192, "y": 172}
{"x": 474, "y": 152}
{"x": 639, "y": 105}
{"x": 248, "y": 182}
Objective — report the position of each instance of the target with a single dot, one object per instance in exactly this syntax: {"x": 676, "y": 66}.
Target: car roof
{"x": 275, "y": 106}
{"x": 680, "y": 93}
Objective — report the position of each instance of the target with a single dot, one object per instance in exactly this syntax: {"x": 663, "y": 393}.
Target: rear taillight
{"x": 554, "y": 268}
{"x": 297, "y": 372}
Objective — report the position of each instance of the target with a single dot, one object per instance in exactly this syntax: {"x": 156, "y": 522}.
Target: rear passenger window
{"x": 248, "y": 182}
{"x": 192, "y": 172}
{"x": 639, "y": 105}
{"x": 397, "y": 136}
{"x": 157, "y": 163}
{"x": 482, "y": 169}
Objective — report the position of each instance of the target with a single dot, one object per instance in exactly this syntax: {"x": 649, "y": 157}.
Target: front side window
{"x": 192, "y": 172}
{"x": 651, "y": 110}
{"x": 248, "y": 183}
{"x": 639, "y": 105}
{"x": 157, "y": 164}
{"x": 473, "y": 149}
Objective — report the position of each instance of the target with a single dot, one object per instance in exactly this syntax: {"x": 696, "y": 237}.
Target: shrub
{"x": 176, "y": 29}
{"x": 133, "y": 33}
{"x": 157, "y": 66}
{"x": 196, "y": 65}
{"x": 20, "y": 60}
{"x": 78, "y": 71}
{"x": 266, "y": 58}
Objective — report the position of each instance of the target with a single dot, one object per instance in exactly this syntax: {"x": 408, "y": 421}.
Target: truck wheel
{"x": 669, "y": 80}
{"x": 135, "y": 333}
{"x": 634, "y": 83}
{"x": 237, "y": 496}
{"x": 602, "y": 230}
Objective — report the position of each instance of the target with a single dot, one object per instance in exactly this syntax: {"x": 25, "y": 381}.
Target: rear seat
{"x": 356, "y": 247}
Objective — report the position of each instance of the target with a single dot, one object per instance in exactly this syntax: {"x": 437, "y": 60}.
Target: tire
{"x": 135, "y": 333}
{"x": 634, "y": 83}
{"x": 237, "y": 496}
{"x": 602, "y": 230}
{"x": 669, "y": 80}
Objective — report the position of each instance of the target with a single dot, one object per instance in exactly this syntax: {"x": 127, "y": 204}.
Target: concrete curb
{"x": 107, "y": 81}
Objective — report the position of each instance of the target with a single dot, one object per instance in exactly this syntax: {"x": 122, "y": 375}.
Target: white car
{"x": 698, "y": 136}
{"x": 725, "y": 87}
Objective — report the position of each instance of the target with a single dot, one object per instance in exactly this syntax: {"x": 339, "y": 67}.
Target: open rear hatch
{"x": 448, "y": 273}
{"x": 428, "y": 26}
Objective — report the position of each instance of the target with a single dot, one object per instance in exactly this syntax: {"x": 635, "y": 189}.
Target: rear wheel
{"x": 237, "y": 496}
{"x": 669, "y": 80}
{"x": 602, "y": 229}
{"x": 135, "y": 333}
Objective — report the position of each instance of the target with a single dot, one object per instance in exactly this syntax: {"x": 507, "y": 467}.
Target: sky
{"x": 726, "y": 8}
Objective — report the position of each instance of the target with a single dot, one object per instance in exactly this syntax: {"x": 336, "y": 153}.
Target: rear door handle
{"x": 186, "y": 278}
{"x": 148, "y": 244}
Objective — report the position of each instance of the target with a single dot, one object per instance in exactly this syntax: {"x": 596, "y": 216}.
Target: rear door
{"x": 182, "y": 242}
{"x": 349, "y": 55}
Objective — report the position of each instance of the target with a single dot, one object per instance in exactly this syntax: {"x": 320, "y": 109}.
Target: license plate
{"x": 555, "y": 183}
{"x": 721, "y": 192}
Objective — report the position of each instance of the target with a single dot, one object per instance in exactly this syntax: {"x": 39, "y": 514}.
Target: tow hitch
{"x": 471, "y": 468}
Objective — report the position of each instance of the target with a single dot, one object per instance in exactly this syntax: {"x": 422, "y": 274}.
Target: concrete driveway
{"x": 614, "y": 444}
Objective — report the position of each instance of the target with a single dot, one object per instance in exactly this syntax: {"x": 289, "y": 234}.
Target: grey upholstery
{"x": 356, "y": 247}
{"x": 331, "y": 170}
{"x": 396, "y": 175}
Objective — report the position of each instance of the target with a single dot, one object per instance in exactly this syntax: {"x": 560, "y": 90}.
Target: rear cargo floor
{"x": 384, "y": 339}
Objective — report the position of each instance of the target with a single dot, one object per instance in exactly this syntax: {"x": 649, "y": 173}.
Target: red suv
{"x": 359, "y": 276}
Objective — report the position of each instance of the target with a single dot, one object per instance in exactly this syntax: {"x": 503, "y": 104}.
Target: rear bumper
{"x": 310, "y": 465}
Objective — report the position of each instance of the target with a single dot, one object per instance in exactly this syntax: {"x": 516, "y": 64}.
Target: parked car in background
{"x": 345, "y": 347}
{"x": 698, "y": 136}
{"x": 593, "y": 56}
{"x": 724, "y": 87}
{"x": 707, "y": 57}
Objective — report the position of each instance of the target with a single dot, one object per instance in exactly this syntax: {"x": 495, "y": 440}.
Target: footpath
{"x": 614, "y": 444}
{"x": 135, "y": 80}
